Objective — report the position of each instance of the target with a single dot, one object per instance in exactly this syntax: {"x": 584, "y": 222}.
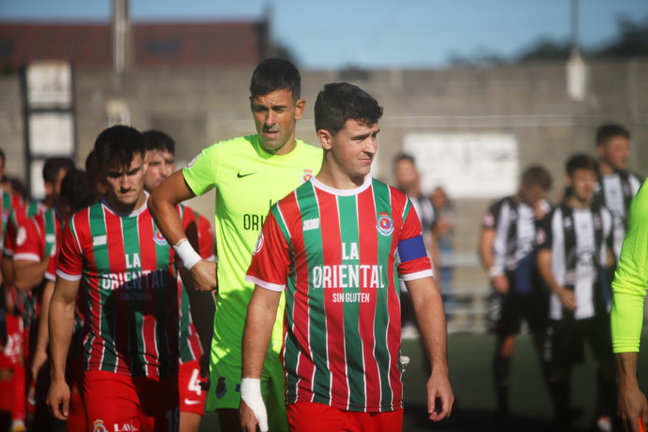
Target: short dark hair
{"x": 158, "y": 140}
{"x": 117, "y": 145}
{"x": 75, "y": 191}
{"x": 404, "y": 157}
{"x": 581, "y": 161}
{"x": 275, "y": 74}
{"x": 339, "y": 102}
{"x": 610, "y": 130}
{"x": 537, "y": 175}
{"x": 53, "y": 165}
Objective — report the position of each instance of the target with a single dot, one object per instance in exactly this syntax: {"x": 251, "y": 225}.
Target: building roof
{"x": 154, "y": 44}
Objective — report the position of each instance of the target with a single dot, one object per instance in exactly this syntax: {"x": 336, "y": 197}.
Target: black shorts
{"x": 506, "y": 312}
{"x": 566, "y": 340}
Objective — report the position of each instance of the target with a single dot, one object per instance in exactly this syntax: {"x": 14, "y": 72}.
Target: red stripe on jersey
{"x": 149, "y": 262}
{"x": 305, "y": 366}
{"x": 368, "y": 250}
{"x": 81, "y": 222}
{"x": 332, "y": 255}
{"x": 398, "y": 201}
{"x": 117, "y": 259}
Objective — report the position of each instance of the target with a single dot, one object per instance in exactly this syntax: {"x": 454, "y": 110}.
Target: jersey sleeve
{"x": 414, "y": 262}
{"x": 70, "y": 256}
{"x": 489, "y": 221}
{"x": 200, "y": 173}
{"x": 631, "y": 279}
{"x": 271, "y": 259}
{"x": 29, "y": 242}
{"x": 10, "y": 234}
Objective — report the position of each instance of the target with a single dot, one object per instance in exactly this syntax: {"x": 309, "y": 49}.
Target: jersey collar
{"x": 342, "y": 192}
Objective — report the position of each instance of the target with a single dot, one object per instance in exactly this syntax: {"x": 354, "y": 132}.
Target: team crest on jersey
{"x": 221, "y": 388}
{"x": 259, "y": 244}
{"x": 308, "y": 174}
{"x": 21, "y": 236}
{"x": 597, "y": 221}
{"x": 98, "y": 426}
{"x": 158, "y": 238}
{"x": 385, "y": 224}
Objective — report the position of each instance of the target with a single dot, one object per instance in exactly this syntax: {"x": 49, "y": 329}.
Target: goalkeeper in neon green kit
{"x": 629, "y": 287}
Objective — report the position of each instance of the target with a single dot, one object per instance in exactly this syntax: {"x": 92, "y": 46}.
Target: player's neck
{"x": 605, "y": 168}
{"x": 336, "y": 179}
{"x": 576, "y": 203}
{"x": 124, "y": 208}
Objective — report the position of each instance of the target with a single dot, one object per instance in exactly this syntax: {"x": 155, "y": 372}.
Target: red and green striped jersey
{"x": 8, "y": 203}
{"x": 339, "y": 254}
{"x": 16, "y": 219}
{"x": 128, "y": 270}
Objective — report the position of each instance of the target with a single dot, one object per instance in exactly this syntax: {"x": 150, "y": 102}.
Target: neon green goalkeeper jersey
{"x": 248, "y": 181}
{"x": 631, "y": 278}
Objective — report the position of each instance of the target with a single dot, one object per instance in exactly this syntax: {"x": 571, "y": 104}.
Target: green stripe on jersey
{"x": 381, "y": 320}
{"x": 107, "y": 300}
{"x": 350, "y": 240}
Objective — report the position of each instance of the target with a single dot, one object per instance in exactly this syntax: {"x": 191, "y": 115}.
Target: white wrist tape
{"x": 251, "y": 395}
{"x": 186, "y": 253}
{"x": 495, "y": 271}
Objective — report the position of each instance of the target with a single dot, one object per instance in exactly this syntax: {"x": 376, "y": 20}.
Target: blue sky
{"x": 373, "y": 33}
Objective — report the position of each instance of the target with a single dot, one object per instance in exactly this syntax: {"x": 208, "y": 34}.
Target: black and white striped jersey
{"x": 578, "y": 240}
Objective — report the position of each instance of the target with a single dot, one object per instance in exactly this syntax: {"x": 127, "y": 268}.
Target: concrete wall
{"x": 199, "y": 106}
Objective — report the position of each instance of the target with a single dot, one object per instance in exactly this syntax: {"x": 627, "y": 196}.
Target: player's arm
{"x": 42, "y": 338}
{"x": 29, "y": 274}
{"x": 162, "y": 205}
{"x": 629, "y": 288}
{"x": 61, "y": 325}
{"x": 430, "y": 316}
{"x": 487, "y": 256}
{"x": 566, "y": 296}
{"x": 261, "y": 314}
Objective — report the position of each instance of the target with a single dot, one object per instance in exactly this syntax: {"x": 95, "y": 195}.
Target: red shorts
{"x": 192, "y": 396}
{"x": 119, "y": 403}
{"x": 12, "y": 354}
{"x": 316, "y": 417}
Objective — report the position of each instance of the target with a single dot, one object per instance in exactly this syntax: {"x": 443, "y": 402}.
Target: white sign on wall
{"x": 467, "y": 165}
{"x": 49, "y": 84}
{"x": 51, "y": 133}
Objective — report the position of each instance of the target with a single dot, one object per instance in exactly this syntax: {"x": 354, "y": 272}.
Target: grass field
{"x": 469, "y": 359}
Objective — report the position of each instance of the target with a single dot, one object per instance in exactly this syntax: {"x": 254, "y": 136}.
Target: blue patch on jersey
{"x": 411, "y": 249}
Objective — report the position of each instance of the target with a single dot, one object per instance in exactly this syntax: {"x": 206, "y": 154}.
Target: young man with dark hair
{"x": 575, "y": 245}
{"x": 331, "y": 245}
{"x": 132, "y": 345}
{"x": 160, "y": 158}
{"x": 408, "y": 180}
{"x": 507, "y": 250}
{"x": 249, "y": 174}
{"x": 615, "y": 186}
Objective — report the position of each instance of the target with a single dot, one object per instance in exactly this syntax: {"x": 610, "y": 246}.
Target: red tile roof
{"x": 154, "y": 44}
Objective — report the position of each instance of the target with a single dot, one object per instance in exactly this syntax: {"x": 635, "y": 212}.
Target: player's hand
{"x": 58, "y": 399}
{"x": 38, "y": 360}
{"x": 249, "y": 421}
{"x": 632, "y": 408}
{"x": 501, "y": 284}
{"x": 568, "y": 299}
{"x": 439, "y": 396}
{"x": 204, "y": 275}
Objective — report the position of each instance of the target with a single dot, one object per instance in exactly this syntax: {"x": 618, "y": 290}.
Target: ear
{"x": 568, "y": 181}
{"x": 49, "y": 188}
{"x": 300, "y": 106}
{"x": 325, "y": 138}
{"x": 600, "y": 149}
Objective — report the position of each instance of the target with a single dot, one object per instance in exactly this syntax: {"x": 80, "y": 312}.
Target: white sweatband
{"x": 251, "y": 395}
{"x": 186, "y": 253}
{"x": 495, "y": 271}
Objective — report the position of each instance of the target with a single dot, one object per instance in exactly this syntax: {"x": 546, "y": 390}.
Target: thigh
{"x": 316, "y": 417}
{"x": 391, "y": 421}
{"x": 510, "y": 318}
{"x": 111, "y": 402}
{"x": 566, "y": 344}
{"x": 159, "y": 407}
{"x": 191, "y": 394}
